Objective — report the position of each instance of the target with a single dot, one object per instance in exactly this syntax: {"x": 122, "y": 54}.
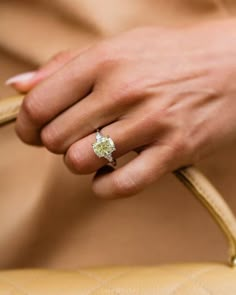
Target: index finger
{"x": 54, "y": 95}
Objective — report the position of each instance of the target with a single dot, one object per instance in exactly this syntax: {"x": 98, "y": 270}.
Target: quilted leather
{"x": 188, "y": 279}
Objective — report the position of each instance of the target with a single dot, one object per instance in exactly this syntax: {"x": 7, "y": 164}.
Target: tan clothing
{"x": 49, "y": 217}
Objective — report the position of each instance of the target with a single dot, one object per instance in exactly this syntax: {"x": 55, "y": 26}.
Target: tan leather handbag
{"x": 191, "y": 279}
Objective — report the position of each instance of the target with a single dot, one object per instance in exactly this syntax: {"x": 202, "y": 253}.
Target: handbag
{"x": 185, "y": 279}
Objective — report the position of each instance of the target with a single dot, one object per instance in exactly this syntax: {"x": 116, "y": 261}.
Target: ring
{"x": 104, "y": 147}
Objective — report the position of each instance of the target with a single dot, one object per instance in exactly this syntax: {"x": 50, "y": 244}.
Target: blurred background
{"x": 49, "y": 217}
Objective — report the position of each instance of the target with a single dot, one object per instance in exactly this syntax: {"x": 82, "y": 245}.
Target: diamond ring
{"x": 104, "y": 147}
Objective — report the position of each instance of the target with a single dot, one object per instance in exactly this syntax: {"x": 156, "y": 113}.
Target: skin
{"x": 167, "y": 94}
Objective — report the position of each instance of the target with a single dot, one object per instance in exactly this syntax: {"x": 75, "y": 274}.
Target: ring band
{"x": 104, "y": 147}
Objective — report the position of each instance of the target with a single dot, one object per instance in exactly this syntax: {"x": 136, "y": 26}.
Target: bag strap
{"x": 191, "y": 177}
{"x": 9, "y": 108}
{"x": 212, "y": 200}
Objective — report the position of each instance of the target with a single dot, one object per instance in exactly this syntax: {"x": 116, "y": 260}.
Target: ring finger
{"x": 81, "y": 159}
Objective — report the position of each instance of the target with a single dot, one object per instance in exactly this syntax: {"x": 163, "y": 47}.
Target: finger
{"x": 54, "y": 95}
{"x": 93, "y": 112}
{"x": 80, "y": 120}
{"x": 81, "y": 159}
{"x": 140, "y": 172}
{"x": 23, "y": 83}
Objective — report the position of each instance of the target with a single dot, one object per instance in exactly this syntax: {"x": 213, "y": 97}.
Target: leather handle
{"x": 212, "y": 200}
{"x": 191, "y": 177}
{"x": 9, "y": 108}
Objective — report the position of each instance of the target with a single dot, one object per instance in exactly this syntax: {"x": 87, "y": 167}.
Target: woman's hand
{"x": 167, "y": 94}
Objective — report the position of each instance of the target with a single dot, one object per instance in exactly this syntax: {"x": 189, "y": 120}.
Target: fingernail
{"x": 25, "y": 77}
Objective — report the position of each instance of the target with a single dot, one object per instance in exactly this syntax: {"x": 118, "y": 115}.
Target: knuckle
{"x": 62, "y": 56}
{"x": 122, "y": 93}
{"x": 51, "y": 139}
{"x": 129, "y": 91}
{"x": 180, "y": 146}
{"x": 32, "y": 110}
{"x": 106, "y": 55}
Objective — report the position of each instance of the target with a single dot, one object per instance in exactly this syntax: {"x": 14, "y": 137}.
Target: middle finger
{"x": 80, "y": 120}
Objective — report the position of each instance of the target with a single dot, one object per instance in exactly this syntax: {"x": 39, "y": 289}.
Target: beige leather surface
{"x": 204, "y": 279}
{"x": 49, "y": 217}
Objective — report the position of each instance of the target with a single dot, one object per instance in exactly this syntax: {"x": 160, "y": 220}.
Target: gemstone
{"x": 104, "y": 147}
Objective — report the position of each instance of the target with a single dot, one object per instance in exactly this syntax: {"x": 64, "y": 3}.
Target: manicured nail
{"x": 25, "y": 77}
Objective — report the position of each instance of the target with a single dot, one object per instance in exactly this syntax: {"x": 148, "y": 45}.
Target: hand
{"x": 166, "y": 94}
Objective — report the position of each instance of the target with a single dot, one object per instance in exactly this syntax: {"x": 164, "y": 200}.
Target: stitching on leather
{"x": 91, "y": 291}
{"x": 90, "y": 275}
{"x": 200, "y": 285}
{"x": 116, "y": 292}
{"x": 191, "y": 277}
{"x": 208, "y": 292}
{"x": 15, "y": 286}
{"x": 207, "y": 270}
{"x": 103, "y": 284}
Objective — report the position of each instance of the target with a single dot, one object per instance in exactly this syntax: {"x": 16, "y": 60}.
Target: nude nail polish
{"x": 21, "y": 78}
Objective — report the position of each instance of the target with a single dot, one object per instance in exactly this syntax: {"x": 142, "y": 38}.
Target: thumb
{"x": 25, "y": 82}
